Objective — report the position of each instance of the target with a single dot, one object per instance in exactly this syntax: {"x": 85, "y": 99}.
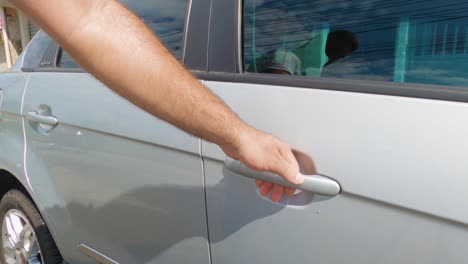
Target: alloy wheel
{"x": 20, "y": 245}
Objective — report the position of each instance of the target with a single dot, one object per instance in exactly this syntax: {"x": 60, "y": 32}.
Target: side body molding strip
{"x": 97, "y": 256}
{"x": 1, "y": 100}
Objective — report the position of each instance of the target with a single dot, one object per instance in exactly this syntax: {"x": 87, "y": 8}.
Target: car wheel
{"x": 25, "y": 236}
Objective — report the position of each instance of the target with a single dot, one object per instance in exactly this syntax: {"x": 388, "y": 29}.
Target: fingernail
{"x": 299, "y": 178}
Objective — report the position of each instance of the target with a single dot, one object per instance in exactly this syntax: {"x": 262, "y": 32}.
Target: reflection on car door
{"x": 113, "y": 177}
{"x": 400, "y": 163}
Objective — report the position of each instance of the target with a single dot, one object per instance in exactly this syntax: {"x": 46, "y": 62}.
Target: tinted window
{"x": 401, "y": 41}
{"x": 165, "y": 18}
{"x": 66, "y": 61}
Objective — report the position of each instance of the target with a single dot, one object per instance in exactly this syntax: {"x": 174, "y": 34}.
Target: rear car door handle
{"x": 312, "y": 183}
{"x": 33, "y": 116}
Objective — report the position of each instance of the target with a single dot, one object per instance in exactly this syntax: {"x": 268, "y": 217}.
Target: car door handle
{"x": 33, "y": 116}
{"x": 312, "y": 183}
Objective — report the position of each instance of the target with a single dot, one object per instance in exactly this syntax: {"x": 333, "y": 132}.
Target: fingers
{"x": 263, "y": 152}
{"x": 259, "y": 183}
{"x": 287, "y": 167}
{"x": 289, "y": 191}
{"x": 276, "y": 193}
{"x": 265, "y": 188}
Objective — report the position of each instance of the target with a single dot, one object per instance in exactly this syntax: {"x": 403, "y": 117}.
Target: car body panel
{"x": 131, "y": 187}
{"x": 398, "y": 160}
{"x": 12, "y": 87}
{"x": 113, "y": 177}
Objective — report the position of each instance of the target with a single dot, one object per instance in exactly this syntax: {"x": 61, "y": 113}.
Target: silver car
{"x": 371, "y": 95}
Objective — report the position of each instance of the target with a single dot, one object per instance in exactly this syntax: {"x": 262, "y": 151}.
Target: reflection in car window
{"x": 66, "y": 61}
{"x": 401, "y": 41}
{"x": 165, "y": 18}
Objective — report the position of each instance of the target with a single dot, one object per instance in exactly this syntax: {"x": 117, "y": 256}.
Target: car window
{"x": 165, "y": 18}
{"x": 399, "y": 41}
{"x": 65, "y": 61}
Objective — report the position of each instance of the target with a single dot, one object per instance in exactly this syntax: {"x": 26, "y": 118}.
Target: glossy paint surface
{"x": 112, "y": 177}
{"x": 399, "y": 161}
{"x": 131, "y": 187}
{"x": 11, "y": 128}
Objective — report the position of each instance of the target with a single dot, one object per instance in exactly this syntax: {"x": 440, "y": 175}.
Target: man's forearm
{"x": 116, "y": 47}
{"x": 96, "y": 34}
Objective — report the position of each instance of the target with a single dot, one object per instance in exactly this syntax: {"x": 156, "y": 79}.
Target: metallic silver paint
{"x": 1, "y": 101}
{"x": 11, "y": 135}
{"x": 400, "y": 163}
{"x": 317, "y": 184}
{"x": 11, "y": 129}
{"x": 113, "y": 177}
{"x": 35, "y": 117}
{"x": 97, "y": 256}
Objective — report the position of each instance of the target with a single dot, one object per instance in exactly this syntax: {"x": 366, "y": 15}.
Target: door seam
{"x": 23, "y": 123}
{"x": 206, "y": 201}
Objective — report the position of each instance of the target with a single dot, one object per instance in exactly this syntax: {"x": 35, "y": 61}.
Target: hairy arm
{"x": 96, "y": 32}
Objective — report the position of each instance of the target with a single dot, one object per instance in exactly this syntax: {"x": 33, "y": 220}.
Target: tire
{"x": 16, "y": 208}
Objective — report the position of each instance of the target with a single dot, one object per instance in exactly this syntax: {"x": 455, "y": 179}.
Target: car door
{"x": 388, "y": 123}
{"x": 12, "y": 85}
{"x": 117, "y": 183}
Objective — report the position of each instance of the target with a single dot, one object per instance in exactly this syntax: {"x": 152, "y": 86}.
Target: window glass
{"x": 417, "y": 41}
{"x": 66, "y": 61}
{"x": 165, "y": 18}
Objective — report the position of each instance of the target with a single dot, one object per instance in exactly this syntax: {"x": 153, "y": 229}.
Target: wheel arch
{"x": 9, "y": 182}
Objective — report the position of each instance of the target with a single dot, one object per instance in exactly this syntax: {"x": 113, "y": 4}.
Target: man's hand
{"x": 263, "y": 152}
{"x": 156, "y": 82}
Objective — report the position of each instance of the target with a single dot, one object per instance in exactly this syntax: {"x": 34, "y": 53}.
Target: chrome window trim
{"x": 240, "y": 50}
{"x": 186, "y": 29}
